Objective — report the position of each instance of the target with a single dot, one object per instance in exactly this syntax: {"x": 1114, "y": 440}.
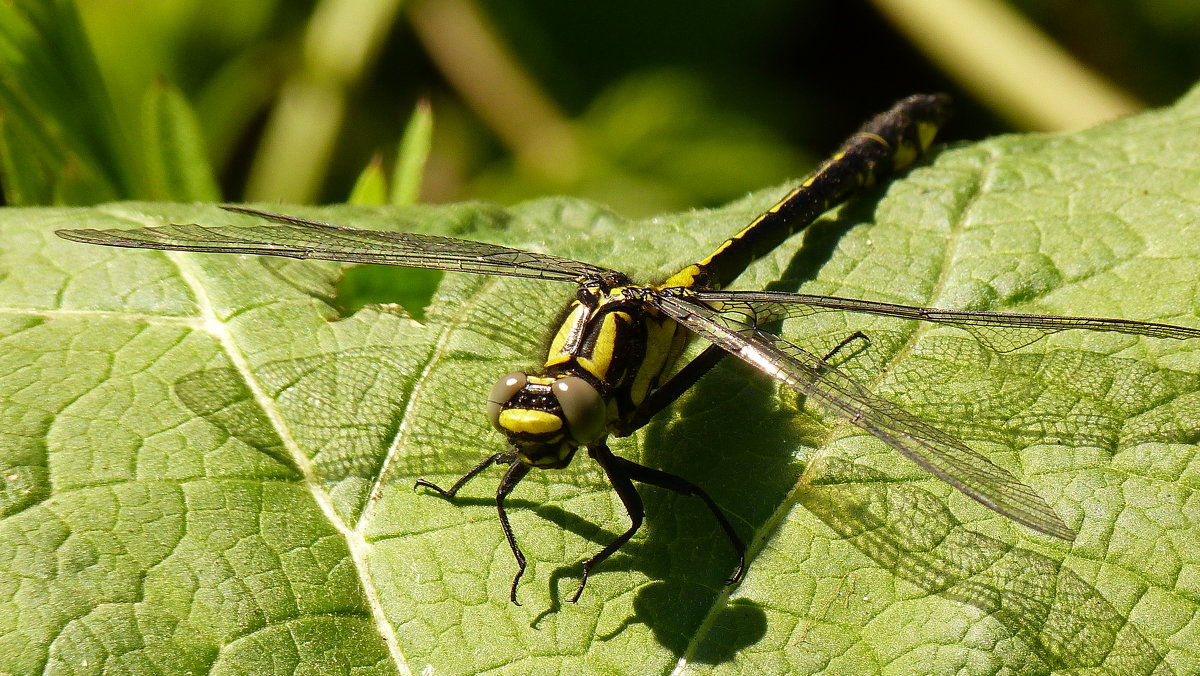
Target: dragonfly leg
{"x": 625, "y": 489}
{"x": 511, "y": 478}
{"x": 677, "y": 484}
{"x": 622, "y": 473}
{"x": 502, "y": 458}
{"x": 670, "y": 390}
{"x": 857, "y": 335}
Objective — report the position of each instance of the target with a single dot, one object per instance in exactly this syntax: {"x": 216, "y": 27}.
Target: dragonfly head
{"x": 547, "y": 418}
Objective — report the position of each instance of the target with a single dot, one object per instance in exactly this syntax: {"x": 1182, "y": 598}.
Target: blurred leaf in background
{"x": 640, "y": 106}
{"x": 1147, "y": 47}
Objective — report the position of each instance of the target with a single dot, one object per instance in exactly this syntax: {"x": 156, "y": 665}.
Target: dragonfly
{"x": 614, "y": 362}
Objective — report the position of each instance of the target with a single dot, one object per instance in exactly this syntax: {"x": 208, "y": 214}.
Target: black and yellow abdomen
{"x": 889, "y": 142}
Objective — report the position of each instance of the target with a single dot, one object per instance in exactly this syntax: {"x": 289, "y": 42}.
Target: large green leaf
{"x": 204, "y": 468}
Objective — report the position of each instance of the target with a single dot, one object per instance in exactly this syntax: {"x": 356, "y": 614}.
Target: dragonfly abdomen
{"x": 889, "y": 142}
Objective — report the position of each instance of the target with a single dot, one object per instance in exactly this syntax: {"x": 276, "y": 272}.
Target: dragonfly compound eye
{"x": 582, "y": 407}
{"x": 504, "y": 389}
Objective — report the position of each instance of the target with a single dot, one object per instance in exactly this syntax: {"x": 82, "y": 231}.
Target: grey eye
{"x": 502, "y": 391}
{"x": 582, "y": 407}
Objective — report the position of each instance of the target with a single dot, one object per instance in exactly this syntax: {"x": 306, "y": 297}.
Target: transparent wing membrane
{"x": 730, "y": 319}
{"x": 303, "y": 238}
{"x": 1001, "y": 331}
{"x": 943, "y": 456}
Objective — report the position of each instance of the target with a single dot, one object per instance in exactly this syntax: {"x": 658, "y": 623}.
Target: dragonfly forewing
{"x": 302, "y": 238}
{"x": 1001, "y": 331}
{"x": 942, "y": 455}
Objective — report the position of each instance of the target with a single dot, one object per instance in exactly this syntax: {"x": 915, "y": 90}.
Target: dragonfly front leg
{"x": 511, "y": 478}
{"x": 502, "y": 458}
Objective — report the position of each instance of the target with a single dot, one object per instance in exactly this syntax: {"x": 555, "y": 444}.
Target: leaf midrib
{"x": 355, "y": 543}
{"x": 409, "y": 412}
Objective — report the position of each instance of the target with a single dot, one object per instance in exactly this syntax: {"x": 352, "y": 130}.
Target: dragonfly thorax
{"x": 546, "y": 418}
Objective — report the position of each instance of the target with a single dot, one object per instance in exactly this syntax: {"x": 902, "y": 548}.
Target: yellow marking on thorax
{"x": 600, "y": 361}
{"x": 526, "y": 421}
{"x": 660, "y": 334}
{"x": 558, "y": 352}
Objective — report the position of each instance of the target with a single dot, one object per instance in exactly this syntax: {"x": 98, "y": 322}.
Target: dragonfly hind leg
{"x": 622, "y": 473}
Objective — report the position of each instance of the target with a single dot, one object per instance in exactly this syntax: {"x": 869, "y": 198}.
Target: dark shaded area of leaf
{"x": 409, "y": 288}
{"x": 743, "y": 622}
{"x": 221, "y": 397}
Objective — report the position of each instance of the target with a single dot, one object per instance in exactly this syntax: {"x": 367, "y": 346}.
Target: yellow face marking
{"x": 560, "y": 453}
{"x": 525, "y": 421}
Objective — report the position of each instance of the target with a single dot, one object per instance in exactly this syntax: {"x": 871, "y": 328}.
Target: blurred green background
{"x": 645, "y": 107}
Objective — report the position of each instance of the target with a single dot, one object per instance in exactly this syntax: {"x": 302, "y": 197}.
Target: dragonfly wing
{"x": 942, "y": 455}
{"x": 302, "y": 238}
{"x": 1002, "y": 331}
